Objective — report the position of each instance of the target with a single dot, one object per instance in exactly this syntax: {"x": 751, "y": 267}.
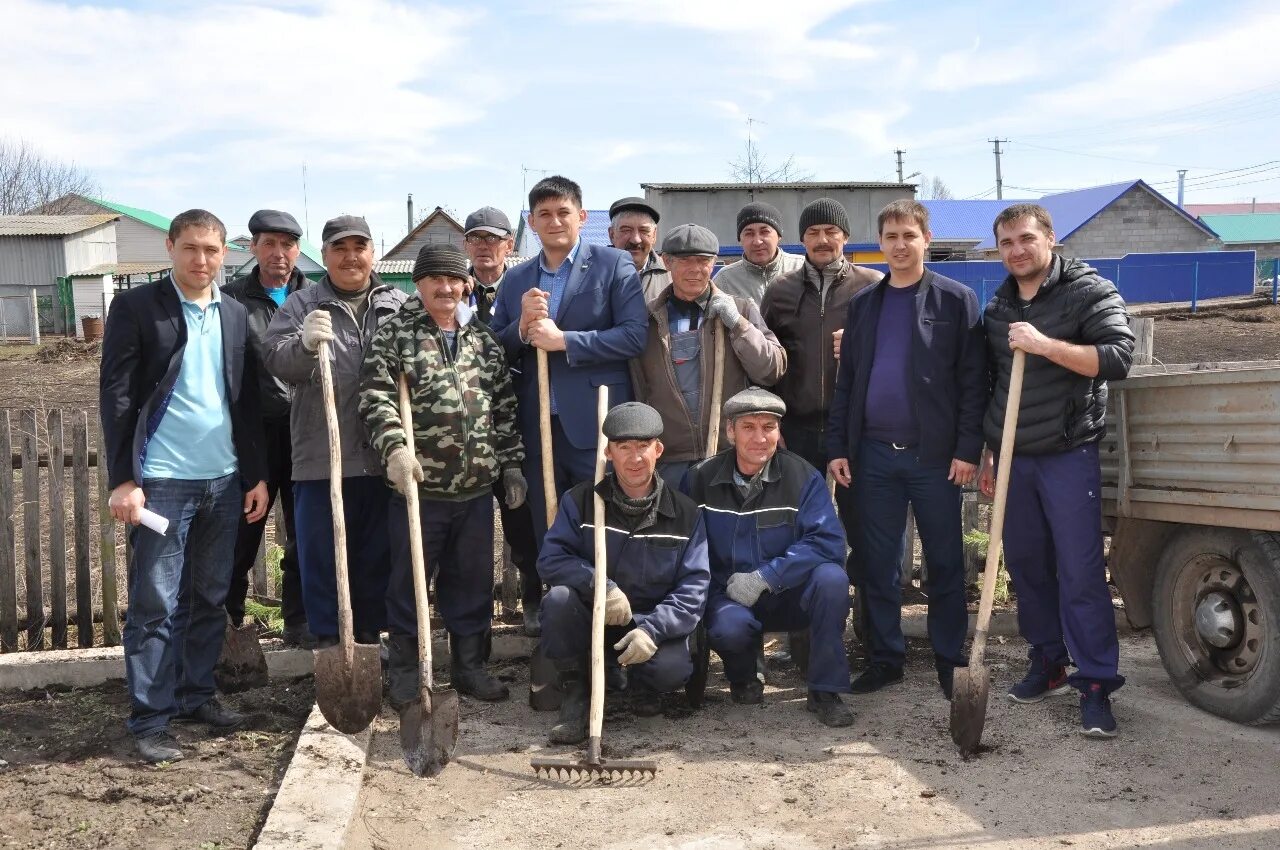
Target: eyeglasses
{"x": 486, "y": 238}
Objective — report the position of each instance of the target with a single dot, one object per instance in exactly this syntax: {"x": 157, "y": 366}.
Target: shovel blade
{"x": 349, "y": 693}
{"x": 241, "y": 664}
{"x": 429, "y": 732}
{"x": 969, "y": 706}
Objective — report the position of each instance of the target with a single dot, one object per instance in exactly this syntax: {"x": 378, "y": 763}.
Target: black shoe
{"x": 212, "y": 713}
{"x": 645, "y": 702}
{"x": 947, "y": 679}
{"x": 368, "y": 637}
{"x": 830, "y": 710}
{"x": 875, "y": 677}
{"x": 402, "y": 670}
{"x": 467, "y": 673}
{"x": 571, "y": 726}
{"x": 532, "y": 628}
{"x": 158, "y": 746}
{"x": 298, "y": 636}
{"x": 750, "y": 692}
{"x": 615, "y": 679}
{"x": 326, "y": 641}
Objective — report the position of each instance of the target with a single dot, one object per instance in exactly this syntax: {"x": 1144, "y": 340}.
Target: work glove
{"x": 636, "y": 647}
{"x": 745, "y": 588}
{"x": 317, "y": 327}
{"x": 721, "y": 306}
{"x": 514, "y": 487}
{"x": 403, "y": 469}
{"x": 617, "y": 608}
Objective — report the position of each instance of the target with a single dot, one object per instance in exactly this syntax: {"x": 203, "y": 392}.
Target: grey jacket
{"x": 293, "y": 364}
{"x": 745, "y": 279}
{"x": 654, "y": 277}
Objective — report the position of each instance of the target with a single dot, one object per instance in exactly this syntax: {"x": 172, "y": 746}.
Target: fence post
{"x": 31, "y": 528}
{"x": 80, "y": 508}
{"x": 1195, "y": 285}
{"x": 107, "y": 548}
{"x": 57, "y": 531}
{"x": 8, "y": 554}
{"x": 35, "y": 318}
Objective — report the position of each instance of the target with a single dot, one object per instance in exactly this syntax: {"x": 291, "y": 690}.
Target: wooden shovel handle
{"x": 346, "y": 633}
{"x": 417, "y": 557}
{"x": 717, "y": 389}
{"x": 601, "y": 578}
{"x": 544, "y": 432}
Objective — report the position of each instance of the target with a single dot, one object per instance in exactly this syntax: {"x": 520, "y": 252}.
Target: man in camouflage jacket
{"x": 465, "y": 439}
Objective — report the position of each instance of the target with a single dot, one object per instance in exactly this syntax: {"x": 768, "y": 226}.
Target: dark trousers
{"x": 571, "y": 466}
{"x": 517, "y": 531}
{"x": 672, "y": 471}
{"x": 249, "y": 536}
{"x": 810, "y": 442}
{"x": 885, "y": 481}
{"x": 1053, "y": 550}
{"x": 566, "y": 634}
{"x": 364, "y": 505}
{"x": 821, "y": 604}
{"x": 457, "y": 542}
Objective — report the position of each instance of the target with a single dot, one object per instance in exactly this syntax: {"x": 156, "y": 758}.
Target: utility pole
{"x": 1182, "y": 175}
{"x": 900, "y": 152}
{"x": 999, "y": 179}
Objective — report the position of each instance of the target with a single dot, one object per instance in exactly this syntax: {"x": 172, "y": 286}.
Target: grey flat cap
{"x": 632, "y": 420}
{"x": 489, "y": 220}
{"x": 691, "y": 240}
{"x": 274, "y": 221}
{"x": 754, "y": 400}
{"x": 344, "y": 226}
{"x": 633, "y": 205}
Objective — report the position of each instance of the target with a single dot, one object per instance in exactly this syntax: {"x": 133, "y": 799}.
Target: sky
{"x": 324, "y": 108}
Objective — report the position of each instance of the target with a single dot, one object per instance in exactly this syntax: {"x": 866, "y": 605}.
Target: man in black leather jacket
{"x": 1074, "y": 328}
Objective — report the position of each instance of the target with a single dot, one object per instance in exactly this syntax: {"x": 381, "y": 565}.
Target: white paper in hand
{"x": 153, "y": 521}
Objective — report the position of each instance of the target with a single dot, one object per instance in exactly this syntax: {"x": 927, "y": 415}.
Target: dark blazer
{"x": 604, "y": 319}
{"x": 141, "y": 354}
{"x": 948, "y": 351}
{"x": 275, "y": 394}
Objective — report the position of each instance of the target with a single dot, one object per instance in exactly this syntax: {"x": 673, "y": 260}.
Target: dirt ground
{"x": 1219, "y": 335}
{"x": 747, "y": 778}
{"x": 70, "y": 778}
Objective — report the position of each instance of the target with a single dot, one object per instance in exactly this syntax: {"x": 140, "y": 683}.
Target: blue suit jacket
{"x": 604, "y": 319}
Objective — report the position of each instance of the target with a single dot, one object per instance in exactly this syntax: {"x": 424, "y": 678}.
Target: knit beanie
{"x": 442, "y": 260}
{"x": 760, "y": 213}
{"x": 824, "y": 211}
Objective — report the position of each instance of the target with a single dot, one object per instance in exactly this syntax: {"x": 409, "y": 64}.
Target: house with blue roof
{"x": 594, "y": 232}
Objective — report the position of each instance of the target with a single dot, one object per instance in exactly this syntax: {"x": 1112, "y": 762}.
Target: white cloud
{"x": 975, "y": 67}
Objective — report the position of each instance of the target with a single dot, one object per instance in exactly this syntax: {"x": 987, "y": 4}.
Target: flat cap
{"x": 490, "y": 220}
{"x": 691, "y": 240}
{"x": 274, "y": 221}
{"x": 344, "y": 226}
{"x": 753, "y": 400}
{"x": 632, "y": 205}
{"x": 632, "y": 420}
{"x": 444, "y": 259}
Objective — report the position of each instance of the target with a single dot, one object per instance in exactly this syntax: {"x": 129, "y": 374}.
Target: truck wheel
{"x": 1216, "y": 612}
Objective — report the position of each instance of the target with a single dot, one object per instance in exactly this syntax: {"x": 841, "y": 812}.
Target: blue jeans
{"x": 177, "y": 588}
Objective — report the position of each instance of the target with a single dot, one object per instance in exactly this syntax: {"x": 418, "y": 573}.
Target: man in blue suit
{"x": 583, "y": 305}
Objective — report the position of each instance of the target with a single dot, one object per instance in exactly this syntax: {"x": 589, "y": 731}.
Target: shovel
{"x": 241, "y": 664}
{"x": 544, "y": 681}
{"x": 973, "y": 683}
{"x": 348, "y": 676}
{"x": 429, "y": 724}
{"x": 717, "y": 390}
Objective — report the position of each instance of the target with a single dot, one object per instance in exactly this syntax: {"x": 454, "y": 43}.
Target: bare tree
{"x": 30, "y": 181}
{"x": 754, "y": 167}
{"x": 934, "y": 188}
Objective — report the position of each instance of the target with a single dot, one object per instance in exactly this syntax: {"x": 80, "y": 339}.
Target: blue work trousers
{"x": 571, "y": 465}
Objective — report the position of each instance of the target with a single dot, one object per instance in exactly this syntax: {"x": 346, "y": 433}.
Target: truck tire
{"x": 1216, "y": 613}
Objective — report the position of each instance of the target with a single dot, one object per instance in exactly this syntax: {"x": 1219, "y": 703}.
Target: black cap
{"x": 754, "y": 400}
{"x": 632, "y": 420}
{"x": 443, "y": 259}
{"x": 691, "y": 240}
{"x": 824, "y": 211}
{"x": 760, "y": 213}
{"x": 344, "y": 226}
{"x": 274, "y": 221}
{"x": 490, "y": 220}
{"x": 632, "y": 205}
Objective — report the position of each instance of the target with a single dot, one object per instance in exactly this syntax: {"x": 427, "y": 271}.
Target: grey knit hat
{"x": 760, "y": 213}
{"x": 440, "y": 259}
{"x": 754, "y": 400}
{"x": 632, "y": 420}
{"x": 824, "y": 211}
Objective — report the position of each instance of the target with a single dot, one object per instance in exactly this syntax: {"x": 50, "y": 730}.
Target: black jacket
{"x": 948, "y": 353}
{"x": 142, "y": 349}
{"x": 276, "y": 395}
{"x": 1060, "y": 409}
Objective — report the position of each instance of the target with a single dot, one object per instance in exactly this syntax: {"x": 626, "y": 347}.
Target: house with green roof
{"x": 1259, "y": 232}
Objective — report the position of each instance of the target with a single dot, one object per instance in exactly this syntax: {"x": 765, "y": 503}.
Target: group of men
{"x": 719, "y": 519}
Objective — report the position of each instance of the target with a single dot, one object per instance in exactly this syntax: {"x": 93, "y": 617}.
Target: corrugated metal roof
{"x": 404, "y": 267}
{"x": 722, "y": 187}
{"x": 964, "y": 221}
{"x": 51, "y": 225}
{"x": 1247, "y": 208}
{"x": 123, "y": 269}
{"x": 1258, "y": 227}
{"x": 594, "y": 232}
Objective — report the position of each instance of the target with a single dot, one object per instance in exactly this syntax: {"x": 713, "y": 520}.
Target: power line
{"x": 1102, "y": 156}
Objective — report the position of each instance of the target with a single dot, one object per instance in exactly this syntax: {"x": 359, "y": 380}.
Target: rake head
{"x": 577, "y": 769}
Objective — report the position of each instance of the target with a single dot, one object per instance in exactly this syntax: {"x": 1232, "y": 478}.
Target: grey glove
{"x": 617, "y": 608}
{"x": 317, "y": 327}
{"x": 514, "y": 488}
{"x": 721, "y": 306}
{"x": 745, "y": 588}
{"x": 636, "y": 647}
{"x": 403, "y": 469}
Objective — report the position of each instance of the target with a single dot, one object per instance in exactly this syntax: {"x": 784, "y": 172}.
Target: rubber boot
{"x": 571, "y": 726}
{"x": 402, "y": 670}
{"x": 467, "y": 675}
{"x": 531, "y": 601}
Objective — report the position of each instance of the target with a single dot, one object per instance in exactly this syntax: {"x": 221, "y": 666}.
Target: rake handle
{"x": 417, "y": 558}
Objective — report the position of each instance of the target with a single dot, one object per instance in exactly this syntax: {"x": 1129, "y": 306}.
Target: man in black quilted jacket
{"x": 1075, "y": 330}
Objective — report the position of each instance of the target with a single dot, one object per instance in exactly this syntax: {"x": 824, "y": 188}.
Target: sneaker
{"x": 878, "y": 675}
{"x": 830, "y": 709}
{"x": 1042, "y": 680}
{"x": 750, "y": 692}
{"x": 645, "y": 702}
{"x": 158, "y": 746}
{"x": 1096, "y": 719}
{"x": 212, "y": 713}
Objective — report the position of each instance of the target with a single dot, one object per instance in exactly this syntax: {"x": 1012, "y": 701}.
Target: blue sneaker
{"x": 1042, "y": 680}
{"x": 1096, "y": 719}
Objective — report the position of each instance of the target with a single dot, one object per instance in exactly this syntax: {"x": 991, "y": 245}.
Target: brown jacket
{"x": 752, "y": 356}
{"x": 804, "y": 323}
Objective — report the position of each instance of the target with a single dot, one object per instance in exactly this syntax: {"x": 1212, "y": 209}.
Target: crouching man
{"x": 465, "y": 438}
{"x": 777, "y": 553}
{"x": 657, "y": 575}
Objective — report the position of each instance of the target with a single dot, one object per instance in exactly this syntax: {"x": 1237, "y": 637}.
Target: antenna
{"x": 306, "y": 216}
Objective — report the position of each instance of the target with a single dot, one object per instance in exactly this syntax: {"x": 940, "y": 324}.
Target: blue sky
{"x": 172, "y": 105}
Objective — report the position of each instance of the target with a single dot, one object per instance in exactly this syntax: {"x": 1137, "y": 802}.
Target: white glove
{"x": 617, "y": 608}
{"x": 403, "y": 469}
{"x": 745, "y": 588}
{"x": 317, "y": 327}
{"x": 636, "y": 647}
{"x": 722, "y": 307}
